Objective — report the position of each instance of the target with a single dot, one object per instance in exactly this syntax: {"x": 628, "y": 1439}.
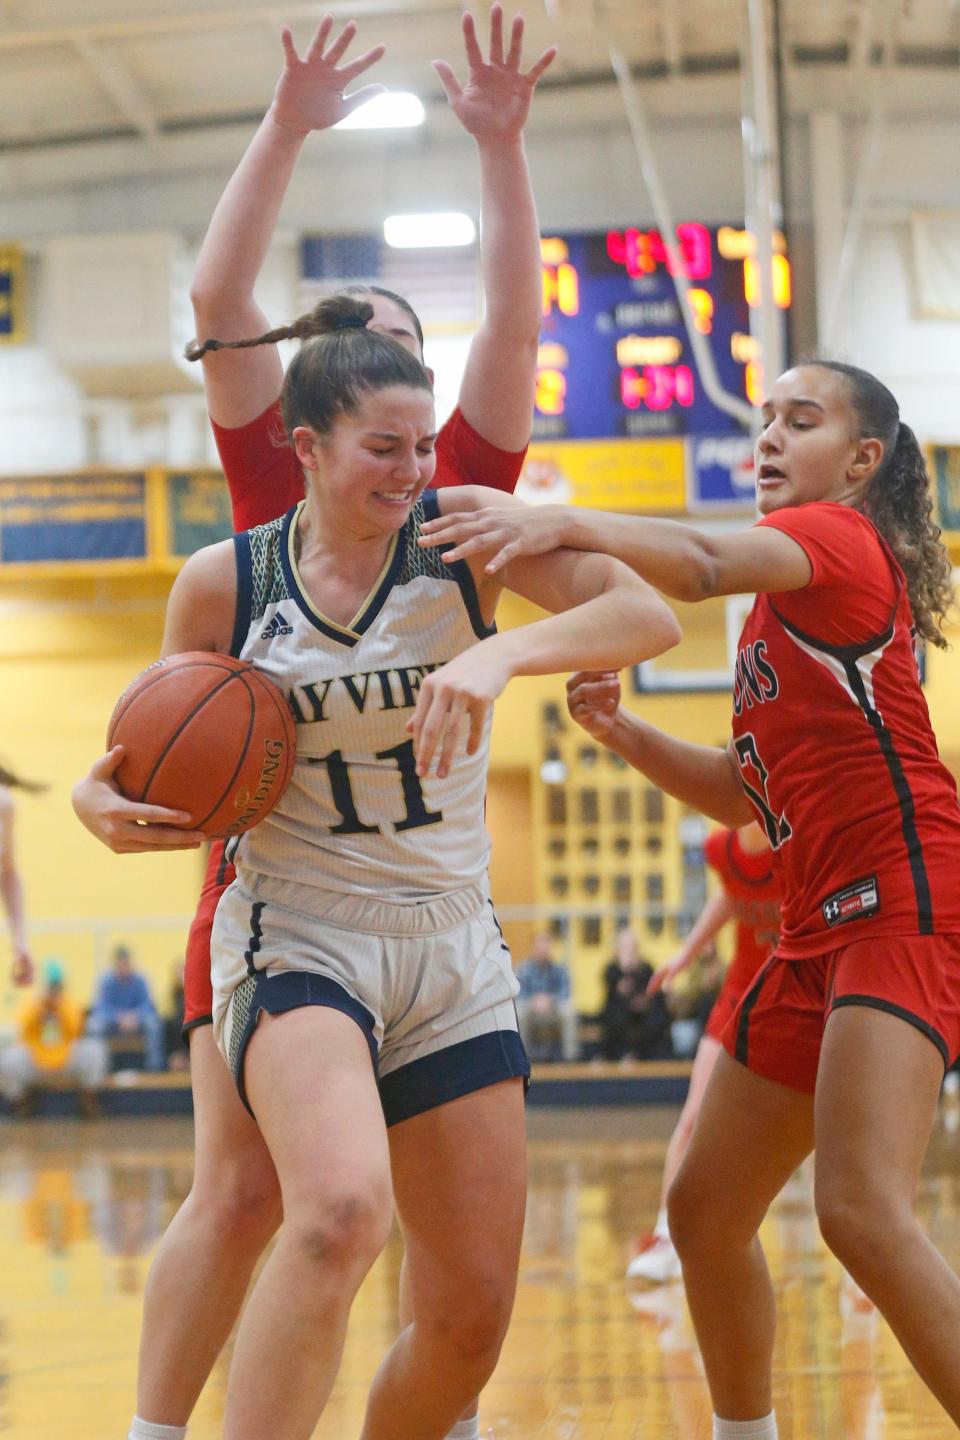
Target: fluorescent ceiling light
{"x": 414, "y": 232}
{"x": 394, "y": 110}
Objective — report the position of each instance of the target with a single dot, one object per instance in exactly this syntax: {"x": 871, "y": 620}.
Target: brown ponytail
{"x": 899, "y": 500}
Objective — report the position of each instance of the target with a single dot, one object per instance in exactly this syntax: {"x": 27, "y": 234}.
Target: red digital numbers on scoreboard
{"x": 641, "y": 251}
{"x": 657, "y": 387}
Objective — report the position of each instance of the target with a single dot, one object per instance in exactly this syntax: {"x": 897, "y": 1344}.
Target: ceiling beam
{"x": 152, "y": 26}
{"x": 120, "y": 85}
{"x": 670, "y": 31}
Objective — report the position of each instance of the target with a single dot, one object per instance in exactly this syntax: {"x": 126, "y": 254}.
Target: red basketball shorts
{"x": 737, "y": 980}
{"x": 197, "y": 990}
{"x": 777, "y": 1029}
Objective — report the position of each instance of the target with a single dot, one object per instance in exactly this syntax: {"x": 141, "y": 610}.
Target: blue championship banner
{"x": 720, "y": 473}
{"x": 53, "y": 518}
{"x": 11, "y": 294}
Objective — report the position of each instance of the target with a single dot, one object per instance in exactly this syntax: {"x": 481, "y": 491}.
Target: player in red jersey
{"x": 202, "y": 1269}
{"x": 843, "y": 1037}
{"x": 750, "y": 898}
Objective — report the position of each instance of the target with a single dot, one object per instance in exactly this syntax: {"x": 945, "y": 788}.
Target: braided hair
{"x": 342, "y": 362}
{"x": 899, "y": 501}
{"x": 305, "y": 327}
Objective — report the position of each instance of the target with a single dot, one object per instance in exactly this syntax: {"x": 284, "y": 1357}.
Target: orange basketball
{"x": 208, "y": 734}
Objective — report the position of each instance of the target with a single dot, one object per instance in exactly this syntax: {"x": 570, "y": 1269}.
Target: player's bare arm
{"x": 203, "y": 602}
{"x": 678, "y": 559}
{"x": 199, "y": 617}
{"x": 605, "y": 613}
{"x": 240, "y": 384}
{"x": 496, "y": 394}
{"x": 702, "y": 776}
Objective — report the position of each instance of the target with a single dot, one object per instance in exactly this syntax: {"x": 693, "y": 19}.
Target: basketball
{"x": 207, "y": 734}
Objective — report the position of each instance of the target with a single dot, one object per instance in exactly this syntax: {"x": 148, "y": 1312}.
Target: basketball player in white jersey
{"x": 363, "y": 993}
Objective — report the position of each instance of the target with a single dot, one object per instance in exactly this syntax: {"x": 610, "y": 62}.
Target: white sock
{"x": 662, "y": 1228}
{"x": 465, "y": 1429}
{"x": 147, "y": 1430}
{"x": 763, "y": 1429}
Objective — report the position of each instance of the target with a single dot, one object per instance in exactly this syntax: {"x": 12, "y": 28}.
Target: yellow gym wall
{"x": 66, "y": 651}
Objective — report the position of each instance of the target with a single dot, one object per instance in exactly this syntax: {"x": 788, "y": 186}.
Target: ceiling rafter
{"x": 120, "y": 85}
{"x": 157, "y": 26}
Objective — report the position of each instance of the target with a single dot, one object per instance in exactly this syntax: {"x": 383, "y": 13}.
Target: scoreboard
{"x": 615, "y": 360}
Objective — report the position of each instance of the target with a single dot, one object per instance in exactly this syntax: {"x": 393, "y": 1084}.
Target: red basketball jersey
{"x": 750, "y": 881}
{"x": 835, "y": 747}
{"x": 265, "y": 479}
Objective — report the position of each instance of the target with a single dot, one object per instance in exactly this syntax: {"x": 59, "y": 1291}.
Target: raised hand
{"x": 125, "y": 826}
{"x": 309, "y": 94}
{"x": 495, "y": 102}
{"x": 501, "y": 534}
{"x": 593, "y": 700}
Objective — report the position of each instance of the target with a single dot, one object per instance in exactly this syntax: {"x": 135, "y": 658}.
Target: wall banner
{"x": 198, "y": 510}
{"x": 11, "y": 294}
{"x": 721, "y": 473}
{"x": 73, "y": 518}
{"x": 641, "y": 475}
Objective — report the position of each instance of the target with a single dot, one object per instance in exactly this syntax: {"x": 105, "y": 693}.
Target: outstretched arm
{"x": 702, "y": 776}
{"x": 712, "y": 918}
{"x": 11, "y": 890}
{"x": 496, "y": 394}
{"x": 678, "y": 559}
{"x": 309, "y": 96}
{"x": 600, "y": 609}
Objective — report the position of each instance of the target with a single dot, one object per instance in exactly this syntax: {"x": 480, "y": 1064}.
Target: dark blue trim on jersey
{"x": 848, "y": 655}
{"x": 294, "y": 990}
{"x": 349, "y": 635}
{"x": 242, "y": 614}
{"x": 449, "y": 1074}
{"x": 873, "y": 1002}
{"x": 459, "y": 571}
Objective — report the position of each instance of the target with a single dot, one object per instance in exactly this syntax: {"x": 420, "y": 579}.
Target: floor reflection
{"x": 587, "y": 1358}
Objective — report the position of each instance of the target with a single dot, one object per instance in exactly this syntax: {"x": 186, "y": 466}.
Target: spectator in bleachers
{"x": 634, "y": 1025}
{"x": 177, "y": 1053}
{"x": 548, "y": 1022}
{"x": 124, "y": 1007}
{"x": 50, "y": 1042}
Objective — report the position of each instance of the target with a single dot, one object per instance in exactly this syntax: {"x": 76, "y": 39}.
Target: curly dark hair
{"x": 899, "y": 500}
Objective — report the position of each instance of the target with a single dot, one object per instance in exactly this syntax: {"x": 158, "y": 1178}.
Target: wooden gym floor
{"x": 83, "y": 1205}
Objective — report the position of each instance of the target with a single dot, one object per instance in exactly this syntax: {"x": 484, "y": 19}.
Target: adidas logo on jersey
{"x": 277, "y": 626}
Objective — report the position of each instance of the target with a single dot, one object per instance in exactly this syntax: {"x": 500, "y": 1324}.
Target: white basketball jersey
{"x": 356, "y": 816}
